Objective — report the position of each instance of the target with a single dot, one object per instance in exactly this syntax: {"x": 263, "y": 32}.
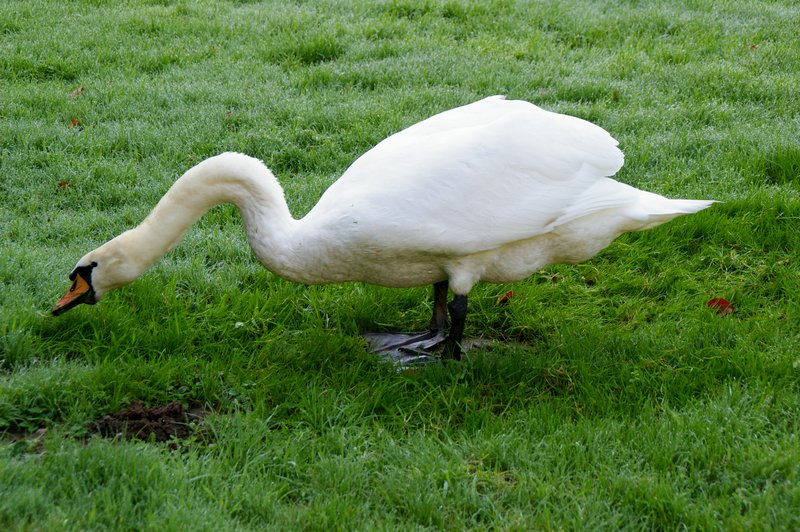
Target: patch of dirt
{"x": 155, "y": 423}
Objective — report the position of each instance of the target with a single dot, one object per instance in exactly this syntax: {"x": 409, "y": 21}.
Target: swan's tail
{"x": 689, "y": 206}
{"x": 653, "y": 209}
{"x": 635, "y": 209}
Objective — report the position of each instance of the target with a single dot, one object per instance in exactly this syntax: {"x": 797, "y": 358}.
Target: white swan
{"x": 492, "y": 191}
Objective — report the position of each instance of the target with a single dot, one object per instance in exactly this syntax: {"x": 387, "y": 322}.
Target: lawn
{"x": 609, "y": 394}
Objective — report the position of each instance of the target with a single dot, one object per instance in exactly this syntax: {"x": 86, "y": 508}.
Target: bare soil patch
{"x": 155, "y": 423}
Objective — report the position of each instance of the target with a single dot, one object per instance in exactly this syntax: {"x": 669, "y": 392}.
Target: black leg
{"x": 458, "y": 317}
{"x": 439, "y": 319}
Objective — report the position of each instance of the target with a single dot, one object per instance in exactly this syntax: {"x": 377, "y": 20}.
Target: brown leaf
{"x": 76, "y": 92}
{"x": 505, "y": 299}
{"x": 720, "y": 305}
{"x": 64, "y": 184}
{"x": 73, "y": 122}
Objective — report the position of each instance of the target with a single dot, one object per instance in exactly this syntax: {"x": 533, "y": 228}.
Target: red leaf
{"x": 73, "y": 122}
{"x": 505, "y": 298}
{"x": 720, "y": 305}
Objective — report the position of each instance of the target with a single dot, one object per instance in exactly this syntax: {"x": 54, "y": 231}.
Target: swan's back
{"x": 496, "y": 132}
{"x": 481, "y": 177}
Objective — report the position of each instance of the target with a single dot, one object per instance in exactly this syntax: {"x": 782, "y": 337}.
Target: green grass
{"x": 612, "y": 398}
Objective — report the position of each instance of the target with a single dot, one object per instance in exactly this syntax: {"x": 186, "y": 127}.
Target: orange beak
{"x": 80, "y": 292}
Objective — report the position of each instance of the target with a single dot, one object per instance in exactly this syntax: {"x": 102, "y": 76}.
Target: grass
{"x": 612, "y": 398}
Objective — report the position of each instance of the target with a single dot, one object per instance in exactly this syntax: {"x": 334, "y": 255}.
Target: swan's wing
{"x": 471, "y": 179}
{"x": 474, "y": 114}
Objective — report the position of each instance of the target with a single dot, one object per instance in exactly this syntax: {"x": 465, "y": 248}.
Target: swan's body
{"x": 492, "y": 191}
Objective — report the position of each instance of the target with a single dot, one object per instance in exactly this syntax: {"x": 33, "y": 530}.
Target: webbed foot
{"x": 406, "y": 349}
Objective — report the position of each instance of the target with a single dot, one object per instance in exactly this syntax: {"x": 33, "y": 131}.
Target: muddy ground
{"x": 155, "y": 423}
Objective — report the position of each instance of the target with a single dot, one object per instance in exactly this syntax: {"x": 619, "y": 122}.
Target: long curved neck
{"x": 226, "y": 178}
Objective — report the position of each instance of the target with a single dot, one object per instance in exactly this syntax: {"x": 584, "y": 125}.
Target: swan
{"x": 492, "y": 191}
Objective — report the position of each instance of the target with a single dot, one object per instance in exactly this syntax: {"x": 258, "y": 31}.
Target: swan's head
{"x": 98, "y": 272}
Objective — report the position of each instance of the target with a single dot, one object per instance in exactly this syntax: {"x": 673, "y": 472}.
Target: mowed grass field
{"x": 610, "y": 395}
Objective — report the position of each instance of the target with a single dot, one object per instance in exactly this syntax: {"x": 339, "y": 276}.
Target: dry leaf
{"x": 76, "y": 92}
{"x": 73, "y": 122}
{"x": 720, "y": 305}
{"x": 505, "y": 299}
{"x": 64, "y": 184}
